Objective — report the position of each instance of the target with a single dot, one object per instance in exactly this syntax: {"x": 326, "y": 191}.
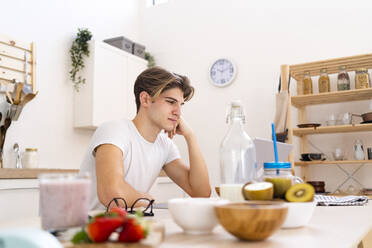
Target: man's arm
{"x": 110, "y": 176}
{"x": 193, "y": 181}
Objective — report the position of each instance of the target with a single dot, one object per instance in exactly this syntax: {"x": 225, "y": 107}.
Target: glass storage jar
{"x": 343, "y": 79}
{"x": 323, "y": 81}
{"x": 307, "y": 84}
{"x": 29, "y": 158}
{"x": 362, "y": 79}
{"x": 64, "y": 200}
{"x": 280, "y": 175}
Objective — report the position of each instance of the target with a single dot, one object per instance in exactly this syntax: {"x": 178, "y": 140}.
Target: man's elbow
{"x": 106, "y": 195}
{"x": 204, "y": 194}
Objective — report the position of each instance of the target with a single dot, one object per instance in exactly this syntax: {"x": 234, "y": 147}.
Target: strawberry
{"x": 132, "y": 231}
{"x": 120, "y": 211}
{"x": 101, "y": 227}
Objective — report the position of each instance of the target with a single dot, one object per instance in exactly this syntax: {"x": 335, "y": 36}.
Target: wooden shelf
{"x": 333, "y": 129}
{"x": 332, "y": 97}
{"x": 303, "y": 163}
{"x": 332, "y": 65}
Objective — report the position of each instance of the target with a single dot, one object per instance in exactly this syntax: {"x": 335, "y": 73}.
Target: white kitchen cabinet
{"x": 164, "y": 189}
{"x": 19, "y": 199}
{"x": 108, "y": 93}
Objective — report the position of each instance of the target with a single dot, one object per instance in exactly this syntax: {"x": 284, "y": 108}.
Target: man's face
{"x": 165, "y": 110}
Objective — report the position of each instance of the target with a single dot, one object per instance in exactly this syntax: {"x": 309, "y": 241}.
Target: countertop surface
{"x": 329, "y": 227}
{"x": 12, "y": 173}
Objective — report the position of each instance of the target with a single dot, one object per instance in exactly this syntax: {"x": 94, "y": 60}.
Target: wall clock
{"x": 222, "y": 72}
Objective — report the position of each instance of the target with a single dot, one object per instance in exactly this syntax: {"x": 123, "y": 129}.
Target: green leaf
{"x": 81, "y": 237}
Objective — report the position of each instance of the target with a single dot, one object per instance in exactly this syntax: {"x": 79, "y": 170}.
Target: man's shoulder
{"x": 117, "y": 127}
{"x": 121, "y": 123}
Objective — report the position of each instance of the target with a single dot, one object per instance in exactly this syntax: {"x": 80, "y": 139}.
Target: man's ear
{"x": 145, "y": 99}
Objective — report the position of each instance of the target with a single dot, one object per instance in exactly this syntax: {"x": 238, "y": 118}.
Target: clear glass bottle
{"x": 324, "y": 82}
{"x": 362, "y": 79}
{"x": 307, "y": 84}
{"x": 237, "y": 155}
{"x": 343, "y": 79}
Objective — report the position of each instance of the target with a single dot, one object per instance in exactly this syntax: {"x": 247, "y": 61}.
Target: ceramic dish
{"x": 304, "y": 125}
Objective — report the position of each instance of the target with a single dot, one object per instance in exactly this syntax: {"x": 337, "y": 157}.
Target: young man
{"x": 126, "y": 156}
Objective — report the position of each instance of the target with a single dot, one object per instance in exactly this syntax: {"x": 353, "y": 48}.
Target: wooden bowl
{"x": 252, "y": 220}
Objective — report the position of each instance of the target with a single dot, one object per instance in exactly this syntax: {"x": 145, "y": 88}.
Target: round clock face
{"x": 222, "y": 72}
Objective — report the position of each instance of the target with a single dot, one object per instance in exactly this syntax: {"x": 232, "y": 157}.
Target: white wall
{"x": 46, "y": 122}
{"x": 186, "y": 36}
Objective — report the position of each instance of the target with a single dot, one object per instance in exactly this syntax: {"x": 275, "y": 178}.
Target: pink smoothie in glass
{"x": 64, "y": 200}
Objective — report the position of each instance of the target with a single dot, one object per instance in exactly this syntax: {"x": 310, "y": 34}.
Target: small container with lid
{"x": 362, "y": 79}
{"x": 343, "y": 79}
{"x": 30, "y": 158}
{"x": 280, "y": 175}
{"x": 324, "y": 82}
{"x": 307, "y": 84}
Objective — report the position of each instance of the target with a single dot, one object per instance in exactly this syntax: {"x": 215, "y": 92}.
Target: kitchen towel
{"x": 351, "y": 200}
{"x": 281, "y": 100}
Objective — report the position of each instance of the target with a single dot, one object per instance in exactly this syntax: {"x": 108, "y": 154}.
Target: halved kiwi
{"x": 302, "y": 192}
{"x": 262, "y": 191}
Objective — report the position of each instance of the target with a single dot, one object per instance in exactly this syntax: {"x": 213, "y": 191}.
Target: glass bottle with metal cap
{"x": 343, "y": 79}
{"x": 324, "y": 82}
{"x": 29, "y": 158}
{"x": 237, "y": 155}
{"x": 362, "y": 79}
{"x": 307, "y": 84}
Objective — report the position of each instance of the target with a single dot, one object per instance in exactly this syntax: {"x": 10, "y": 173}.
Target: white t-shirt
{"x": 142, "y": 160}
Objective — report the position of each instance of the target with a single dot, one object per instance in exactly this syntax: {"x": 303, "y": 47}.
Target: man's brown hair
{"x": 156, "y": 80}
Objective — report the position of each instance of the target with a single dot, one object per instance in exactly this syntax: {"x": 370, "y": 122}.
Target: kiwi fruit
{"x": 262, "y": 191}
{"x": 302, "y": 192}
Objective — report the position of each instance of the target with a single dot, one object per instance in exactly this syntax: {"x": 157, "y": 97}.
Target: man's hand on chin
{"x": 182, "y": 128}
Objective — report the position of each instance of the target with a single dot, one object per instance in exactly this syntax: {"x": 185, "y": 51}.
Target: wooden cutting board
{"x": 154, "y": 238}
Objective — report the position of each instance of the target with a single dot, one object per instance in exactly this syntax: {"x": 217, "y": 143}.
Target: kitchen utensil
{"x": 299, "y": 214}
{"x": 28, "y": 237}
{"x": 18, "y": 153}
{"x": 331, "y": 120}
{"x": 26, "y": 67}
{"x": 18, "y": 92}
{"x": 304, "y": 125}
{"x": 338, "y": 154}
{"x": 358, "y": 150}
{"x": 319, "y": 186}
{"x": 20, "y": 106}
{"x": 10, "y": 100}
{"x": 345, "y": 118}
{"x": 195, "y": 215}
{"x": 312, "y": 156}
{"x": 366, "y": 122}
{"x": 4, "y": 110}
{"x": 369, "y": 153}
{"x": 252, "y": 220}
{"x": 367, "y": 117}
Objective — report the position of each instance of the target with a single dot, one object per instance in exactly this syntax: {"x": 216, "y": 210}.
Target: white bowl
{"x": 299, "y": 214}
{"x": 195, "y": 215}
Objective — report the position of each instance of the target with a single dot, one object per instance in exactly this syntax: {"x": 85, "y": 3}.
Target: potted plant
{"x": 78, "y": 50}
